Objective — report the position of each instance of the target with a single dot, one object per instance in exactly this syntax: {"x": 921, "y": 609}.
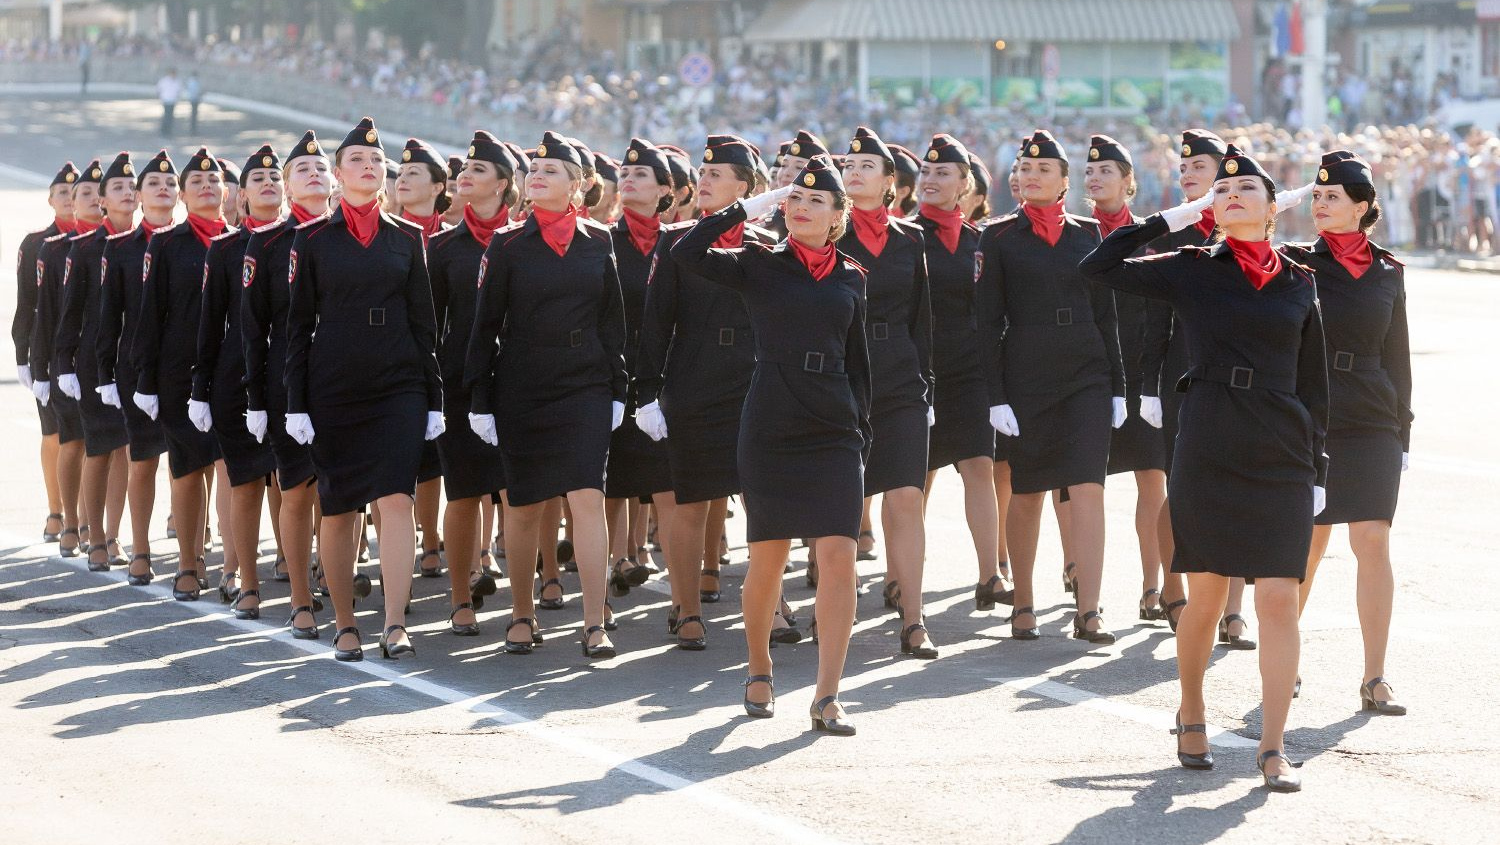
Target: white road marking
{"x": 1222, "y": 737}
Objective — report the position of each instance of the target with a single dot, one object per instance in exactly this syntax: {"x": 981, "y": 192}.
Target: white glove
{"x": 299, "y": 428}
{"x": 759, "y": 206}
{"x": 617, "y": 415}
{"x": 42, "y": 390}
{"x": 648, "y": 418}
{"x": 931, "y": 417}
{"x": 483, "y": 425}
{"x": 1119, "y": 411}
{"x": 148, "y": 403}
{"x": 1180, "y": 217}
{"x": 23, "y": 373}
{"x": 1151, "y": 410}
{"x": 435, "y": 424}
{"x": 1320, "y": 500}
{"x": 109, "y": 394}
{"x": 68, "y": 384}
{"x": 1405, "y": 461}
{"x": 1292, "y": 198}
{"x": 255, "y": 422}
{"x": 1003, "y": 420}
{"x": 202, "y": 418}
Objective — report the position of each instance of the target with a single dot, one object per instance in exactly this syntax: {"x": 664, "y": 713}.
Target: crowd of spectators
{"x": 1440, "y": 191}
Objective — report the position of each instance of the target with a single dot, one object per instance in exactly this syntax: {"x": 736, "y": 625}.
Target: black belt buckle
{"x": 807, "y": 362}
{"x": 1343, "y": 362}
{"x": 377, "y": 316}
{"x": 1065, "y": 316}
{"x": 575, "y": 338}
{"x": 880, "y": 331}
{"x": 1241, "y": 377}
{"x": 726, "y": 336}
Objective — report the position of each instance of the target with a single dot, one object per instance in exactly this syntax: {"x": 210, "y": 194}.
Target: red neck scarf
{"x": 1046, "y": 220}
{"x": 302, "y": 214}
{"x": 557, "y": 227}
{"x": 644, "y": 230}
{"x": 252, "y": 224}
{"x": 1110, "y": 222}
{"x": 66, "y": 227}
{"x": 1351, "y": 249}
{"x": 151, "y": 228}
{"x": 732, "y": 239}
{"x": 1206, "y": 225}
{"x": 819, "y": 262}
{"x": 363, "y": 220}
{"x": 1257, "y": 259}
{"x": 871, "y": 227}
{"x": 483, "y": 228}
{"x": 83, "y": 227}
{"x": 206, "y": 229}
{"x": 949, "y": 224}
{"x": 430, "y": 224}
{"x": 109, "y": 228}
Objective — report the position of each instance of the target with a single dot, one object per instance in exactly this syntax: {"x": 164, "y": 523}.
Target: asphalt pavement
{"x": 130, "y": 716}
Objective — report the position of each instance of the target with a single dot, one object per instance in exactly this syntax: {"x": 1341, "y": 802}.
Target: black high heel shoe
{"x": 622, "y": 579}
{"x": 1166, "y": 613}
{"x": 521, "y": 646}
{"x": 787, "y": 634}
{"x": 1097, "y": 637}
{"x": 116, "y": 557}
{"x": 552, "y": 604}
{"x": 710, "y": 596}
{"x": 989, "y": 594}
{"x": 246, "y": 612}
{"x": 98, "y": 565}
{"x": 52, "y": 536}
{"x": 1368, "y": 702}
{"x": 227, "y": 595}
{"x": 1070, "y": 584}
{"x": 890, "y": 595}
{"x": 348, "y": 655}
{"x": 758, "y": 709}
{"x": 861, "y": 554}
{"x": 482, "y": 586}
{"x": 836, "y": 725}
{"x": 140, "y": 580}
{"x": 399, "y": 650}
{"x": 1151, "y": 612}
{"x": 361, "y": 586}
{"x": 609, "y": 619}
{"x": 185, "y": 595}
{"x": 65, "y": 551}
{"x": 469, "y": 630}
{"x": 928, "y": 651}
{"x": 434, "y": 572}
{"x": 602, "y": 651}
{"x": 698, "y": 643}
{"x": 308, "y": 633}
{"x": 1279, "y": 783}
{"x": 1236, "y": 643}
{"x": 1202, "y": 761}
{"x": 1016, "y": 633}
{"x": 280, "y": 573}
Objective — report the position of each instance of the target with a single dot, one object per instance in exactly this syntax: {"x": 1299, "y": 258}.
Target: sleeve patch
{"x": 484, "y": 266}
{"x": 146, "y": 267}
{"x": 248, "y": 275}
{"x": 291, "y": 268}
{"x": 978, "y": 265}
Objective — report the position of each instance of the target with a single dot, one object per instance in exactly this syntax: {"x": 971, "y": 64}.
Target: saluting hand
{"x": 483, "y": 426}
{"x": 617, "y": 410}
{"x": 649, "y": 419}
{"x": 1151, "y": 410}
{"x": 68, "y": 384}
{"x": 299, "y": 427}
{"x": 1292, "y": 198}
{"x": 200, "y": 415}
{"x": 435, "y": 424}
{"x": 1003, "y": 420}
{"x": 1120, "y": 413}
{"x": 255, "y": 422}
{"x": 760, "y": 205}
{"x": 109, "y": 394}
{"x": 1180, "y": 217}
{"x": 148, "y": 403}
{"x": 42, "y": 390}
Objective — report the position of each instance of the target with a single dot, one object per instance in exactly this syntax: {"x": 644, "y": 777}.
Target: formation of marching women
{"x": 552, "y": 330}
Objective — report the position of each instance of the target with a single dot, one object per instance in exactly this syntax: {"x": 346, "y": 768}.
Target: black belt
{"x": 812, "y": 362}
{"x": 725, "y": 336}
{"x": 365, "y": 316}
{"x": 571, "y": 339}
{"x": 1348, "y": 362}
{"x": 1062, "y": 317}
{"x": 882, "y": 330}
{"x": 1240, "y": 378}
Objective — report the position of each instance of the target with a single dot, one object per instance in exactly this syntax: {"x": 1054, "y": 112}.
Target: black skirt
{"x": 701, "y": 449}
{"x": 1136, "y": 445}
{"x": 898, "y": 455}
{"x": 1064, "y": 440}
{"x": 555, "y": 447}
{"x": 47, "y": 417}
{"x": 68, "y": 416}
{"x": 471, "y": 467}
{"x": 245, "y": 458}
{"x": 188, "y": 449}
{"x": 294, "y": 462}
{"x": 432, "y": 462}
{"x": 103, "y": 426}
{"x": 963, "y": 429}
{"x": 365, "y": 451}
{"x": 1364, "y": 477}
{"x": 147, "y": 440}
{"x": 639, "y": 467}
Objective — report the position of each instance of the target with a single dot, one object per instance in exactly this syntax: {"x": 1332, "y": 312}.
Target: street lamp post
{"x": 1314, "y": 63}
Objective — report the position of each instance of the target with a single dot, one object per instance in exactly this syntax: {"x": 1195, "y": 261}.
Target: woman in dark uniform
{"x": 263, "y": 308}
{"x": 1056, "y": 385}
{"x": 51, "y": 270}
{"x": 455, "y": 213}
{"x": 805, "y": 428}
{"x": 961, "y": 435}
{"x": 553, "y": 387}
{"x": 799, "y": 151}
{"x": 695, "y": 366}
{"x": 218, "y": 402}
{"x": 362, "y": 381}
{"x": 907, "y": 170}
{"x": 1250, "y": 468}
{"x": 639, "y": 469}
{"x": 899, "y": 330}
{"x": 422, "y": 192}
{"x": 472, "y": 469}
{"x": 74, "y": 360}
{"x": 60, "y": 198}
{"x": 607, "y": 209}
{"x": 1362, "y": 290}
{"x": 232, "y": 203}
{"x": 976, "y": 203}
{"x": 1136, "y": 446}
{"x": 120, "y": 295}
{"x": 163, "y": 350}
